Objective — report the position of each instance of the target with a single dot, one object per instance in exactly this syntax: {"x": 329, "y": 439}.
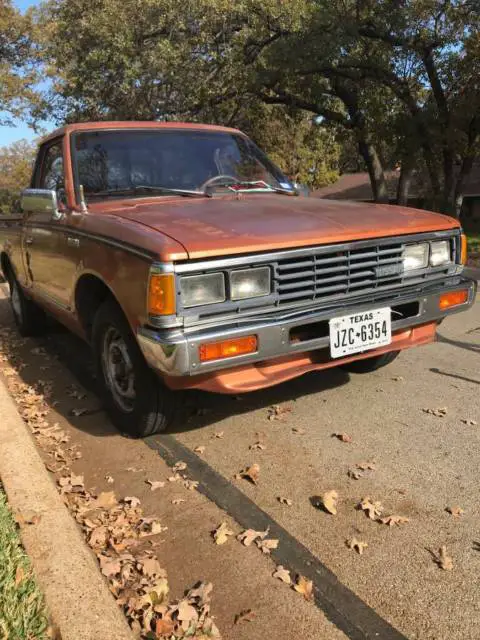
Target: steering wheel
{"x": 212, "y": 181}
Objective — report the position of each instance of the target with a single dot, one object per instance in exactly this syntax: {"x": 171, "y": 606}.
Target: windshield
{"x": 131, "y": 161}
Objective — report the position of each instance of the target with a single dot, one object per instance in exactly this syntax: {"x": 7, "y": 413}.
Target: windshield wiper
{"x": 138, "y": 188}
{"x": 260, "y": 186}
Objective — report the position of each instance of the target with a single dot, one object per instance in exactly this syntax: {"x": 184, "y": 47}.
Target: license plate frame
{"x": 360, "y": 331}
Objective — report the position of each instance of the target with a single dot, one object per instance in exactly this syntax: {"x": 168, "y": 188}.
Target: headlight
{"x": 250, "y": 283}
{"x": 440, "y": 253}
{"x": 204, "y": 289}
{"x": 415, "y": 256}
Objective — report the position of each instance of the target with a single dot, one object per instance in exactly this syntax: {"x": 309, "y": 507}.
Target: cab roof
{"x": 133, "y": 124}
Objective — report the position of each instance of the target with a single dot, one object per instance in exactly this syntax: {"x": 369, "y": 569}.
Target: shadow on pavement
{"x": 454, "y": 375}
{"x": 200, "y": 408}
{"x": 469, "y": 346}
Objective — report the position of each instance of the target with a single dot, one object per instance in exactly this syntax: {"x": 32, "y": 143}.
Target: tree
{"x": 16, "y": 162}
{"x": 17, "y": 64}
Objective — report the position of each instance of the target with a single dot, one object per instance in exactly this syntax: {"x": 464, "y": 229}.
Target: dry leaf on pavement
{"x": 366, "y": 466}
{"x": 398, "y": 378}
{"x": 218, "y": 434}
{"x": 285, "y": 501}
{"x": 105, "y": 500}
{"x": 179, "y": 466}
{"x": 190, "y": 484}
{"x": 278, "y": 412}
{"x": 282, "y": 574}
{"x": 267, "y": 545}
{"x": 356, "y": 545}
{"x": 455, "y": 511}
{"x": 305, "y": 587}
{"x": 344, "y": 437}
{"x": 257, "y": 446}
{"x": 132, "y": 501}
{"x": 78, "y": 412}
{"x": 246, "y": 615}
{"x": 299, "y": 430}
{"x": 251, "y": 473}
{"x": 222, "y": 533}
{"x": 393, "y": 519}
{"x": 329, "y": 501}
{"x": 250, "y": 535}
{"x": 164, "y": 627}
{"x": 200, "y": 449}
{"x": 443, "y": 560}
{"x": 469, "y": 423}
{"x": 109, "y": 479}
{"x": 372, "y": 509}
{"x": 178, "y": 501}
{"x": 440, "y": 413}
{"x": 155, "y": 484}
{"x": 151, "y": 567}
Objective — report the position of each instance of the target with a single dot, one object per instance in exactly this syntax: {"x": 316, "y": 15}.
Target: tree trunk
{"x": 447, "y": 205}
{"x": 375, "y": 171}
{"x": 404, "y": 182}
{"x": 465, "y": 169}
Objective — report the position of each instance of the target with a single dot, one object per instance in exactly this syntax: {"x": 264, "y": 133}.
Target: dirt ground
{"x": 415, "y": 422}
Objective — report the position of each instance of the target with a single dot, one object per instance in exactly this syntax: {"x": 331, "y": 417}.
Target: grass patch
{"x": 473, "y": 241}
{"x": 22, "y": 609}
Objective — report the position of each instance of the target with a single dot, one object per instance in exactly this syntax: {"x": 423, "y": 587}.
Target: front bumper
{"x": 176, "y": 353}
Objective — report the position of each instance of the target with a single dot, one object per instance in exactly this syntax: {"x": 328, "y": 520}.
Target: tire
{"x": 370, "y": 364}
{"x": 136, "y": 401}
{"x": 28, "y": 316}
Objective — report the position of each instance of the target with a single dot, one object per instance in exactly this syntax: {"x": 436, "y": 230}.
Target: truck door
{"x": 47, "y": 260}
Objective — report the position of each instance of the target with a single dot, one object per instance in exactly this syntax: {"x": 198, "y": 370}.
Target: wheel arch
{"x": 91, "y": 291}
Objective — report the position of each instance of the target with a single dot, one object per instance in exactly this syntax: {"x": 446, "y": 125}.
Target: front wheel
{"x": 136, "y": 402}
{"x": 28, "y": 316}
{"x": 370, "y": 364}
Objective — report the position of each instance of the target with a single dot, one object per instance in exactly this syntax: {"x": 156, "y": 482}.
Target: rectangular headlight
{"x": 250, "y": 283}
{"x": 415, "y": 256}
{"x": 440, "y": 253}
{"x": 203, "y": 289}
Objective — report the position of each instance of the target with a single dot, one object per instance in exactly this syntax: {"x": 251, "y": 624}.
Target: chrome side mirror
{"x": 40, "y": 201}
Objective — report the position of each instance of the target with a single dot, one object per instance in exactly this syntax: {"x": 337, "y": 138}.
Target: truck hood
{"x": 263, "y": 222}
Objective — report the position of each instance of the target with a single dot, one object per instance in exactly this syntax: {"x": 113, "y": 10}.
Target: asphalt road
{"x": 424, "y": 463}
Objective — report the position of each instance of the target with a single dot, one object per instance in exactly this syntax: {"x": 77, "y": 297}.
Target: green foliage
{"x": 16, "y": 161}
{"x": 22, "y": 610}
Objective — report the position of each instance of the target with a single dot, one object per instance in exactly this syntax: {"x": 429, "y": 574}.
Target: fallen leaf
{"x": 155, "y": 484}
{"x": 355, "y": 475}
{"x": 398, "y": 378}
{"x": 132, "y": 501}
{"x": 218, "y": 434}
{"x": 105, "y": 500}
{"x": 455, "y": 511}
{"x": 78, "y": 412}
{"x": 357, "y": 545}
{"x": 251, "y": 473}
{"x": 246, "y": 615}
{"x": 278, "y": 412}
{"x": 222, "y": 533}
{"x": 200, "y": 449}
{"x": 470, "y": 423}
{"x": 187, "y": 614}
{"x": 164, "y": 627}
{"x": 250, "y": 535}
{"x": 178, "y": 501}
{"x": 179, "y": 466}
{"x": 372, "y": 509}
{"x": 133, "y": 469}
{"x": 305, "y": 587}
{"x": 98, "y": 537}
{"x": 394, "y": 520}
{"x": 110, "y": 566}
{"x": 30, "y": 518}
{"x": 443, "y": 560}
{"x": 282, "y": 574}
{"x": 257, "y": 446}
{"x": 366, "y": 466}
{"x": 267, "y": 545}
{"x": 440, "y": 413}
{"x": 344, "y": 437}
{"x": 190, "y": 484}
{"x": 285, "y": 501}
{"x": 109, "y": 479}
{"x": 19, "y": 576}
{"x": 299, "y": 430}
{"x": 329, "y": 501}
{"x": 151, "y": 567}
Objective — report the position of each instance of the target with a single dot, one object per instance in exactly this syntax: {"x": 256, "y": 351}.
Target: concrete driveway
{"x": 425, "y": 461}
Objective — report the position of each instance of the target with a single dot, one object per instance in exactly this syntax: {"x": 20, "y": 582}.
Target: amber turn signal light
{"x": 227, "y": 348}
{"x": 463, "y": 249}
{"x": 161, "y": 294}
{"x": 452, "y": 299}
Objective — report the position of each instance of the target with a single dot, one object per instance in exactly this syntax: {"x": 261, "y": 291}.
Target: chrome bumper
{"x": 176, "y": 352}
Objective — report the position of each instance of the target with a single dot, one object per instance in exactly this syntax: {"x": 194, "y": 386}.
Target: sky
{"x": 20, "y": 130}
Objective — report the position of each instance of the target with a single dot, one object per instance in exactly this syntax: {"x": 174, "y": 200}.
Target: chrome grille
{"x": 344, "y": 272}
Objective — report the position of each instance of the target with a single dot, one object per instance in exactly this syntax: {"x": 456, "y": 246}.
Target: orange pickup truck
{"x": 186, "y": 259}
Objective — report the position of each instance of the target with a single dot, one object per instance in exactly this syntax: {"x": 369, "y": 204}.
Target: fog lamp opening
{"x": 453, "y": 298}
{"x": 227, "y": 348}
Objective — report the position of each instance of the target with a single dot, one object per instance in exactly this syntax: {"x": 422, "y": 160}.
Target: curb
{"x": 78, "y": 599}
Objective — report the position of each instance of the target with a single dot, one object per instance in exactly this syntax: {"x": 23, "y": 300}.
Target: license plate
{"x": 360, "y": 331}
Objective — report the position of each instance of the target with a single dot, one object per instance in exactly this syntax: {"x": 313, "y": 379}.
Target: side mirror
{"x": 40, "y": 201}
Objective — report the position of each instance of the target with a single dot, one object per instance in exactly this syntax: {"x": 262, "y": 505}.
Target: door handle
{"x": 73, "y": 242}
{"x": 29, "y": 240}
